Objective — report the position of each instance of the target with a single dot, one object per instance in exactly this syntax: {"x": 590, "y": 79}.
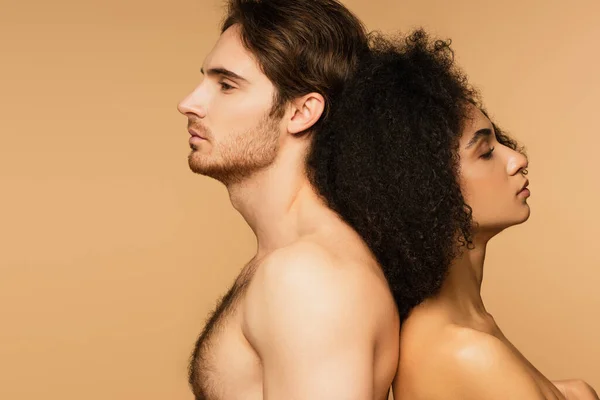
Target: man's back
{"x": 314, "y": 319}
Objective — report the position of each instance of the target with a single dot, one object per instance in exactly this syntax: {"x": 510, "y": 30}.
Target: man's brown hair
{"x": 302, "y": 46}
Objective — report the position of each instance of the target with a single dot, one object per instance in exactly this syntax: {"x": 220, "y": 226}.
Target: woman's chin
{"x": 526, "y": 214}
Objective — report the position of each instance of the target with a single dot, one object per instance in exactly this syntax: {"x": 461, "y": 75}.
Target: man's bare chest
{"x": 224, "y": 365}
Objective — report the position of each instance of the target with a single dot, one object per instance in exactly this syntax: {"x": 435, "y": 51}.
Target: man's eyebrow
{"x": 224, "y": 72}
{"x": 480, "y": 134}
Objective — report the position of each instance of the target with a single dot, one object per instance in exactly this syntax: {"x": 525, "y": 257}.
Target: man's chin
{"x": 224, "y": 174}
{"x": 198, "y": 165}
{"x": 206, "y": 170}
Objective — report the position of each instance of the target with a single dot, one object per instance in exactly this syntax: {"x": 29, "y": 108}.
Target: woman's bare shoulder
{"x": 456, "y": 362}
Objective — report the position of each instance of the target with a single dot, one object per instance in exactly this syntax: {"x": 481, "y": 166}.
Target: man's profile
{"x": 311, "y": 315}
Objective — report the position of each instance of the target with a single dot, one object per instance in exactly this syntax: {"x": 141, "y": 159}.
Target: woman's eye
{"x": 488, "y": 155}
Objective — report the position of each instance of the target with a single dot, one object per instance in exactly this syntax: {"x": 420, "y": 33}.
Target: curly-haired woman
{"x": 411, "y": 160}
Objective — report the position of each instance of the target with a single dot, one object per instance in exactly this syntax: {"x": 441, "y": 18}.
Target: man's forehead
{"x": 229, "y": 53}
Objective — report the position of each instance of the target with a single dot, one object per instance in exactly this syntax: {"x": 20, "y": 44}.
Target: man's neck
{"x": 277, "y": 202}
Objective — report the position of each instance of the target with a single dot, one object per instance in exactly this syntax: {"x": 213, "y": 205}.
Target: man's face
{"x": 232, "y": 132}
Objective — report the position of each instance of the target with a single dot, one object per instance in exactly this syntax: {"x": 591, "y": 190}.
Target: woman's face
{"x": 492, "y": 177}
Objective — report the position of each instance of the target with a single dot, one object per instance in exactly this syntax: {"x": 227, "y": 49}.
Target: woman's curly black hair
{"x": 387, "y": 161}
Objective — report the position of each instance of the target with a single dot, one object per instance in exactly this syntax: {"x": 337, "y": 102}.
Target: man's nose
{"x": 193, "y": 104}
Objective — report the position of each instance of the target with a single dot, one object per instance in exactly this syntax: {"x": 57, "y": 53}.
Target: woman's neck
{"x": 462, "y": 288}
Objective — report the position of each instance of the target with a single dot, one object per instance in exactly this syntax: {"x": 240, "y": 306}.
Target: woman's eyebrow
{"x": 480, "y": 134}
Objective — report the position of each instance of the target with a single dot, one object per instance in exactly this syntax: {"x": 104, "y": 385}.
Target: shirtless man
{"x": 311, "y": 316}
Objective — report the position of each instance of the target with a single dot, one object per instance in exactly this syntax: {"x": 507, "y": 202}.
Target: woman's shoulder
{"x": 437, "y": 342}
{"x": 451, "y": 361}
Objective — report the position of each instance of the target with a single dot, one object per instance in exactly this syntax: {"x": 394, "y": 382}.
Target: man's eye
{"x": 225, "y": 86}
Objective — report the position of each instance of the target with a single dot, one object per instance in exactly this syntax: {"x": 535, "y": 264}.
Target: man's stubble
{"x": 240, "y": 155}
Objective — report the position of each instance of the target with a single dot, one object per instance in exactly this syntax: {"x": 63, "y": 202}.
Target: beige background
{"x": 112, "y": 252}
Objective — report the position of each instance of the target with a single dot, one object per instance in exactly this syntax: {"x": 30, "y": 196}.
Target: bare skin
{"x": 450, "y": 346}
{"x": 311, "y": 315}
{"x": 576, "y": 389}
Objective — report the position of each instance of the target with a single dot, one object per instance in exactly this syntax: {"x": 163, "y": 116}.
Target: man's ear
{"x": 306, "y": 111}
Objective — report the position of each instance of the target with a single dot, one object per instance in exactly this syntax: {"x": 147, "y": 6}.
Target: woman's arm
{"x": 576, "y": 389}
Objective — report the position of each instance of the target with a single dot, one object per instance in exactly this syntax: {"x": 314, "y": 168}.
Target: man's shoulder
{"x": 310, "y": 279}
{"x": 467, "y": 363}
{"x": 307, "y": 268}
{"x": 301, "y": 255}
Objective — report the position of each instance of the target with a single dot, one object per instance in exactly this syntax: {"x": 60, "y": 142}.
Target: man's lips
{"x": 195, "y": 133}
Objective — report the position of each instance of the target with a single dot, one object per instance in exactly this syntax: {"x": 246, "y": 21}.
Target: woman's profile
{"x": 410, "y": 159}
